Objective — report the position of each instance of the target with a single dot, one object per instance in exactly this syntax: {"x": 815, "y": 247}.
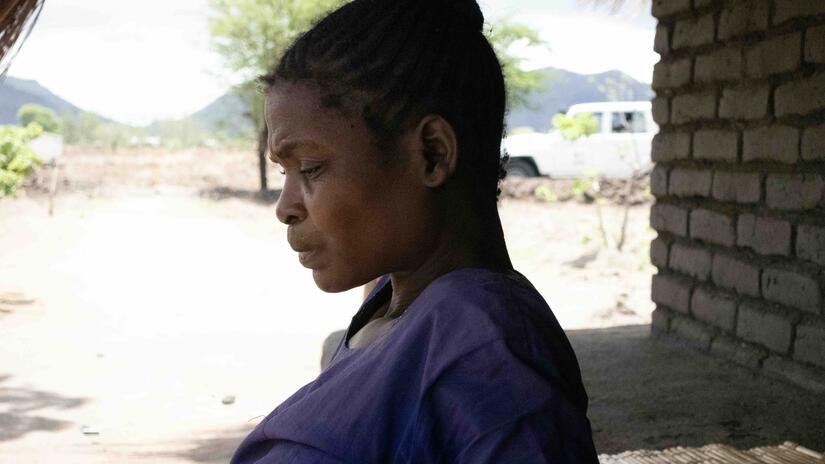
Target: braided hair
{"x": 396, "y": 61}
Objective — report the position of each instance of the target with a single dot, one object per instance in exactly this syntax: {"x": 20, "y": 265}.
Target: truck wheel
{"x": 521, "y": 168}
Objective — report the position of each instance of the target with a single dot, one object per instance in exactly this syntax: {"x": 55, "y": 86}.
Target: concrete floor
{"x": 649, "y": 392}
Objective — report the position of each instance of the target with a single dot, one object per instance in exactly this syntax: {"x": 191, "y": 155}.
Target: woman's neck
{"x": 470, "y": 238}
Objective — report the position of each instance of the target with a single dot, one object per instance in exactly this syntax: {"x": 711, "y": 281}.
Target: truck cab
{"x": 620, "y": 147}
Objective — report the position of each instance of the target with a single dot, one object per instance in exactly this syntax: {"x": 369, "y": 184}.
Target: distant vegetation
{"x": 45, "y": 117}
{"x": 16, "y": 158}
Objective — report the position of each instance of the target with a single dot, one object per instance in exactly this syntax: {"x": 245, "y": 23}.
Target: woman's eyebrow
{"x": 285, "y": 150}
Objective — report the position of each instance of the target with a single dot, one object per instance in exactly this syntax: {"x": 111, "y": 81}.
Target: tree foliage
{"x": 503, "y": 35}
{"x": 576, "y": 127}
{"x": 45, "y": 117}
{"x": 17, "y": 159}
{"x": 251, "y": 34}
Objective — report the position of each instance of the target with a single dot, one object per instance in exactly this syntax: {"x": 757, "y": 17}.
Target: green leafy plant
{"x": 46, "y": 117}
{"x": 17, "y": 159}
{"x": 576, "y": 127}
{"x": 546, "y": 194}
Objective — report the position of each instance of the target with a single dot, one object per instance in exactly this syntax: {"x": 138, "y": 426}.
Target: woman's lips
{"x": 306, "y": 258}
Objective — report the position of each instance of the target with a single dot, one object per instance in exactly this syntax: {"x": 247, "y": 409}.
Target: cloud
{"x": 589, "y": 44}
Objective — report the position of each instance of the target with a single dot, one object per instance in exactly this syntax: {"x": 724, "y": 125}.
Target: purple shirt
{"x": 476, "y": 370}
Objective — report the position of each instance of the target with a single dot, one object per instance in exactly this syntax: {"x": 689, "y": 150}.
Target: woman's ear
{"x": 438, "y": 150}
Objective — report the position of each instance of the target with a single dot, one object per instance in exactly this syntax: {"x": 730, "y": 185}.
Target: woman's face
{"x": 351, "y": 216}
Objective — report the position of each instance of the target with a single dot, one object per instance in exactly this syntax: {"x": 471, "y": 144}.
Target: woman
{"x": 386, "y": 119}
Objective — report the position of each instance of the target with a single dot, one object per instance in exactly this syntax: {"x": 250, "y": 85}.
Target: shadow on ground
{"x": 649, "y": 392}
{"x": 266, "y": 197}
{"x": 23, "y": 408}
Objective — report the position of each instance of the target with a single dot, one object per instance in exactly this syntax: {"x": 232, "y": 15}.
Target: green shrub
{"x": 16, "y": 158}
{"x": 580, "y": 125}
{"x": 46, "y": 117}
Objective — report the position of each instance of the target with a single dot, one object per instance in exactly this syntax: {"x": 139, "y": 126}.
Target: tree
{"x": 251, "y": 34}
{"x": 503, "y": 35}
{"x": 82, "y": 128}
{"x": 46, "y": 117}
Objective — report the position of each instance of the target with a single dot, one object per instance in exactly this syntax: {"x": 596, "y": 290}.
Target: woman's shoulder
{"x": 499, "y": 304}
{"x": 496, "y": 314}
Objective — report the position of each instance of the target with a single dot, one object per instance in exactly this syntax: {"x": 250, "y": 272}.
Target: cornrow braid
{"x": 399, "y": 60}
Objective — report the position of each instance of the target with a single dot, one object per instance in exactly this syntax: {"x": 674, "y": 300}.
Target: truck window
{"x": 629, "y": 121}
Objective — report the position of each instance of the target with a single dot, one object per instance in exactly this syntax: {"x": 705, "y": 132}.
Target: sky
{"x": 135, "y": 61}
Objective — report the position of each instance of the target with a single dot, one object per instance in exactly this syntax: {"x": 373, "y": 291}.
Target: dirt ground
{"x": 158, "y": 312}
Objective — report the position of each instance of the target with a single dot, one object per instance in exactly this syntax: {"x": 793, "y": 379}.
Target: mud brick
{"x": 661, "y": 111}
{"x": 766, "y": 236}
{"x": 669, "y": 218}
{"x": 815, "y": 45}
{"x": 744, "y": 103}
{"x": 714, "y": 308}
{"x": 690, "y": 182}
{"x": 769, "y": 329}
{"x": 693, "y": 332}
{"x": 789, "y": 9}
{"x": 694, "y": 32}
{"x": 743, "y": 17}
{"x": 792, "y": 289}
{"x": 810, "y": 344}
{"x": 716, "y": 145}
{"x": 739, "y": 187}
{"x": 671, "y": 291}
{"x": 671, "y": 75}
{"x": 794, "y": 192}
{"x": 659, "y": 252}
{"x": 669, "y": 146}
{"x": 800, "y": 96}
{"x": 772, "y": 143}
{"x": 658, "y": 181}
{"x": 719, "y": 65}
{"x": 813, "y": 143}
{"x": 712, "y": 227}
{"x": 774, "y": 56}
{"x": 693, "y": 107}
{"x": 662, "y": 8}
{"x": 810, "y": 243}
{"x": 734, "y": 274}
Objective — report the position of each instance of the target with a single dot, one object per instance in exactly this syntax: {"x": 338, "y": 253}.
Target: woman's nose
{"x": 290, "y": 207}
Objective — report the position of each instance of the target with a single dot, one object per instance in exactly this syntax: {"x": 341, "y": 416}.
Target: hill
{"x": 226, "y": 114}
{"x": 564, "y": 88}
{"x": 15, "y": 92}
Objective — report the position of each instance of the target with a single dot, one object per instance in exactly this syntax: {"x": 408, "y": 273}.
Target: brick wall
{"x": 740, "y": 182}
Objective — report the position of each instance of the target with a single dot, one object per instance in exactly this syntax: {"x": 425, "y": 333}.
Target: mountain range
{"x": 15, "y": 93}
{"x": 228, "y": 113}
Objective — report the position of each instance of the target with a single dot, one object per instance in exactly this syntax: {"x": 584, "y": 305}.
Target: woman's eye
{"x": 282, "y": 171}
{"x": 310, "y": 171}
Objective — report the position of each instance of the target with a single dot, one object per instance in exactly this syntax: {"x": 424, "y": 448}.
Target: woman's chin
{"x": 329, "y": 283}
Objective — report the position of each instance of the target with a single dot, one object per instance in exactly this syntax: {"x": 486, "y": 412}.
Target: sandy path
{"x": 149, "y": 309}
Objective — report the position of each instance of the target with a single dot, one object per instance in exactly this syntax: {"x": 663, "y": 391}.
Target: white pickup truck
{"x": 620, "y": 148}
